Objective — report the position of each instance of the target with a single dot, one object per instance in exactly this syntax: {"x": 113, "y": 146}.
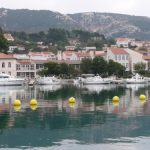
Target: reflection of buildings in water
{"x": 98, "y": 88}
{"x": 9, "y": 93}
{"x": 129, "y": 104}
{"x": 49, "y": 87}
{"x": 135, "y": 86}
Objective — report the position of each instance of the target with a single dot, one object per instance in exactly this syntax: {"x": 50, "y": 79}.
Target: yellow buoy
{"x": 72, "y": 105}
{"x": 115, "y": 99}
{"x": 33, "y": 102}
{"x": 17, "y": 102}
{"x": 142, "y": 97}
{"x": 143, "y": 101}
{"x": 17, "y": 107}
{"x": 72, "y": 100}
{"x": 115, "y": 103}
{"x": 33, "y": 107}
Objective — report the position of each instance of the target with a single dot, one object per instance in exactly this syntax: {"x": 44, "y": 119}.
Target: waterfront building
{"x": 7, "y": 64}
{"x": 118, "y": 55}
{"x": 126, "y": 57}
{"x": 134, "y": 58}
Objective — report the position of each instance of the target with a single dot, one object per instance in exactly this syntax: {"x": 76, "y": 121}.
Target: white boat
{"x": 6, "y": 79}
{"x": 136, "y": 79}
{"x": 78, "y": 80}
{"x": 48, "y": 80}
{"x": 96, "y": 80}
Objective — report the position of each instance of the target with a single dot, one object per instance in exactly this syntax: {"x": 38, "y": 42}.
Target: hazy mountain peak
{"x": 109, "y": 24}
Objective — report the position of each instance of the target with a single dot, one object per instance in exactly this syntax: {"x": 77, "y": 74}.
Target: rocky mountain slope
{"x": 115, "y": 25}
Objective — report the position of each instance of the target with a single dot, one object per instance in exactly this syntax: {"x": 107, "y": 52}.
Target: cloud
{"x": 135, "y": 7}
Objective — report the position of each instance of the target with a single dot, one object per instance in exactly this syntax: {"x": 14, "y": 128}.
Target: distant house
{"x": 70, "y": 48}
{"x": 123, "y": 42}
{"x": 7, "y": 64}
{"x": 42, "y": 56}
{"x": 134, "y": 58}
{"x": 12, "y": 48}
{"x": 137, "y": 43}
{"x": 88, "y": 49}
{"x": 118, "y": 55}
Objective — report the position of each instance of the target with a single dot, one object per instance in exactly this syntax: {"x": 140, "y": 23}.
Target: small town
{"x": 74, "y": 75}
{"x": 27, "y": 65}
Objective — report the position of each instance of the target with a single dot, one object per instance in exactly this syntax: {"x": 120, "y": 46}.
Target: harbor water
{"x": 92, "y": 122}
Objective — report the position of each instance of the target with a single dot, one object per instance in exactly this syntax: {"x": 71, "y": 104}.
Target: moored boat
{"x": 6, "y": 79}
{"x": 48, "y": 80}
{"x": 96, "y": 80}
{"x": 136, "y": 79}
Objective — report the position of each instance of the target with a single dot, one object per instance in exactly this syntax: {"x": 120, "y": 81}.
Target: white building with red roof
{"x": 123, "y": 42}
{"x": 42, "y": 56}
{"x": 118, "y": 55}
{"x": 7, "y": 64}
{"x": 126, "y": 57}
{"x": 135, "y": 57}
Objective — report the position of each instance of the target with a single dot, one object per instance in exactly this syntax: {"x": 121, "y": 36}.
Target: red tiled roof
{"x": 146, "y": 57}
{"x": 24, "y": 62}
{"x": 70, "y": 52}
{"x": 118, "y": 51}
{"x": 84, "y": 54}
{"x": 103, "y": 54}
{"x": 122, "y": 39}
{"x": 6, "y": 56}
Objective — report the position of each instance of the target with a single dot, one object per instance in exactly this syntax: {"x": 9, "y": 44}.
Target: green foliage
{"x": 52, "y": 68}
{"x": 63, "y": 69}
{"x": 99, "y": 65}
{"x": 59, "y": 38}
{"x": 115, "y": 68}
{"x": 139, "y": 66}
{"x": 86, "y": 65}
{"x": 1, "y": 30}
{"x": 3, "y": 43}
{"x": 57, "y": 35}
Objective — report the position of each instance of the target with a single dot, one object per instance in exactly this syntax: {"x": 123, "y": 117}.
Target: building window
{"x": 18, "y": 67}
{"x": 9, "y": 73}
{"x": 123, "y": 57}
{"x": 32, "y": 67}
{"x": 3, "y": 65}
{"x": 9, "y": 64}
{"x": 116, "y": 57}
{"x": 27, "y": 67}
{"x": 127, "y": 57}
{"x": 119, "y": 56}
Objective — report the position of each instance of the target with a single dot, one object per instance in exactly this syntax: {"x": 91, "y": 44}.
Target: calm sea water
{"x": 93, "y": 122}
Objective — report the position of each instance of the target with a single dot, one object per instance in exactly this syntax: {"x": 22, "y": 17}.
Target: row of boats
{"x": 6, "y": 79}
{"x": 99, "y": 80}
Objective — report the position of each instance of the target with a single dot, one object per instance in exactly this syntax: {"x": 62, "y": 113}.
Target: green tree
{"x": 99, "y": 65}
{"x": 64, "y": 69}
{"x": 57, "y": 35}
{"x": 139, "y": 66}
{"x": 52, "y": 68}
{"x": 3, "y": 43}
{"x": 86, "y": 65}
{"x": 115, "y": 68}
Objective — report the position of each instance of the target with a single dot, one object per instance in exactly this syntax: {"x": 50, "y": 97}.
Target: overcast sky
{"x": 132, "y": 7}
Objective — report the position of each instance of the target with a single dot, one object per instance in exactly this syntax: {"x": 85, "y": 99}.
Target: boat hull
{"x": 11, "y": 82}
